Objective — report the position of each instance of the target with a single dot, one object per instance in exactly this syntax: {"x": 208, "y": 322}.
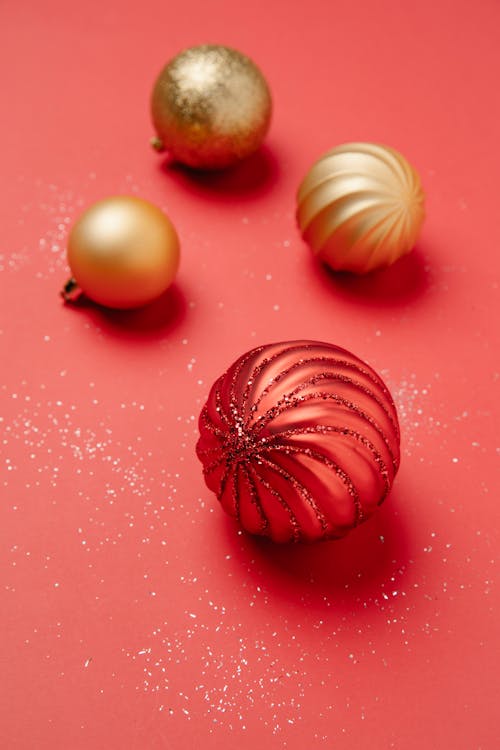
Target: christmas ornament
{"x": 360, "y": 207}
{"x": 123, "y": 252}
{"x": 211, "y": 107}
{"x": 299, "y": 441}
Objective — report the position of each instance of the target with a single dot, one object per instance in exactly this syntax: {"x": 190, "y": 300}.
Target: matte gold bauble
{"x": 123, "y": 253}
{"x": 360, "y": 207}
{"x": 211, "y": 107}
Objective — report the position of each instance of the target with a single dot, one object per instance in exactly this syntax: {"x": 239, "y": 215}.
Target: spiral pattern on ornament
{"x": 360, "y": 207}
{"x": 299, "y": 441}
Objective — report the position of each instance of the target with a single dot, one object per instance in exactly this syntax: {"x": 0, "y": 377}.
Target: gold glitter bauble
{"x": 360, "y": 207}
{"x": 123, "y": 253}
{"x": 211, "y": 107}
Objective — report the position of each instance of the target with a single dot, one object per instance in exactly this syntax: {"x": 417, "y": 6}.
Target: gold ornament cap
{"x": 211, "y": 107}
{"x": 360, "y": 207}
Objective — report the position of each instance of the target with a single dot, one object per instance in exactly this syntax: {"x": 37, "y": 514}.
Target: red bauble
{"x": 299, "y": 440}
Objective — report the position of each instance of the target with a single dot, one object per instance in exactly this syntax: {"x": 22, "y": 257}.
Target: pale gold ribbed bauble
{"x": 211, "y": 107}
{"x": 360, "y": 207}
{"x": 123, "y": 253}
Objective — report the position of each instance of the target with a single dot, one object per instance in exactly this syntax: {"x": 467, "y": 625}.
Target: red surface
{"x": 133, "y": 614}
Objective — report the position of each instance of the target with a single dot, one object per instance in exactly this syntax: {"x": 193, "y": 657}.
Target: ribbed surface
{"x": 299, "y": 440}
{"x": 360, "y": 207}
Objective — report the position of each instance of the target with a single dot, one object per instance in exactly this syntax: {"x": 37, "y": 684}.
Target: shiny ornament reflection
{"x": 123, "y": 253}
{"x": 211, "y": 107}
{"x": 360, "y": 207}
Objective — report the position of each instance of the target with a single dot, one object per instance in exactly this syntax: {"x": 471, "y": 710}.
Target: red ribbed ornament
{"x": 299, "y": 440}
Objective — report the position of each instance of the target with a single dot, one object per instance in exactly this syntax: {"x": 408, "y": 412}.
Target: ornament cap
{"x": 157, "y": 143}
{"x": 70, "y": 290}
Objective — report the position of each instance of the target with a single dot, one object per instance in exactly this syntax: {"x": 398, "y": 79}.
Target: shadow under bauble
{"x": 152, "y": 321}
{"x": 250, "y": 178}
{"x": 404, "y": 282}
{"x": 340, "y": 574}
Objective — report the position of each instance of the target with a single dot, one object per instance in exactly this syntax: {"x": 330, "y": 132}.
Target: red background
{"x": 133, "y": 613}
